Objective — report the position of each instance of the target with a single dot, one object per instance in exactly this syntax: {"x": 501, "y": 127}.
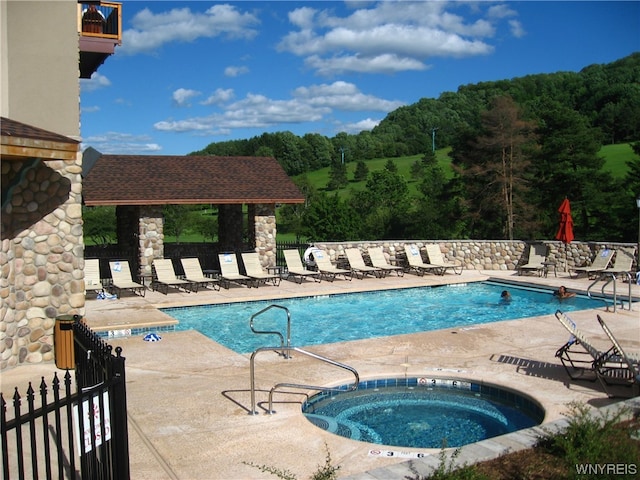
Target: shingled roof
{"x": 19, "y": 141}
{"x": 160, "y": 180}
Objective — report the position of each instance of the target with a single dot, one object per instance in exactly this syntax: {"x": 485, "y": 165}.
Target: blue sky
{"x": 191, "y": 73}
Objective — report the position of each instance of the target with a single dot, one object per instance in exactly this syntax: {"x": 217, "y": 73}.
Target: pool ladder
{"x": 285, "y": 351}
{"x": 612, "y": 278}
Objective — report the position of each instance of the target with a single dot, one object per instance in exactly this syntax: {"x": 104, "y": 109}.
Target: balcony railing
{"x": 100, "y": 19}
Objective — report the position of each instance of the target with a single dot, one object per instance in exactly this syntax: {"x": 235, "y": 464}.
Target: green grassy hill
{"x": 615, "y": 156}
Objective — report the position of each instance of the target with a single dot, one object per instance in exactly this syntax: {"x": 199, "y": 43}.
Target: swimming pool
{"x": 422, "y": 412}
{"x": 355, "y": 316}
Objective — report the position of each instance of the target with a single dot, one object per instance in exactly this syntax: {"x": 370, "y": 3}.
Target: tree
{"x": 176, "y": 220}
{"x": 383, "y": 205}
{"x": 337, "y": 176}
{"x": 100, "y": 224}
{"x": 204, "y": 222}
{"x": 361, "y": 172}
{"x": 329, "y": 218}
{"x": 494, "y": 165}
{"x": 568, "y": 165}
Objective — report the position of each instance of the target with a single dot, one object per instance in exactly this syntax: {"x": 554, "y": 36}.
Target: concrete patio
{"x": 189, "y": 397}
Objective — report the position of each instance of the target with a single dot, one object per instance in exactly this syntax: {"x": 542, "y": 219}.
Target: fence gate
{"x": 70, "y": 433}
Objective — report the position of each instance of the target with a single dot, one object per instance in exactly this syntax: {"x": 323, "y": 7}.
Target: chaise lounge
{"x": 253, "y": 269}
{"x": 193, "y": 273}
{"x": 358, "y": 267}
{"x": 122, "y": 279}
{"x": 295, "y": 268}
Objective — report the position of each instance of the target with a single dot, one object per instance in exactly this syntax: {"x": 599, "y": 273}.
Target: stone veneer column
{"x": 264, "y": 221}
{"x": 150, "y": 236}
{"x": 42, "y": 256}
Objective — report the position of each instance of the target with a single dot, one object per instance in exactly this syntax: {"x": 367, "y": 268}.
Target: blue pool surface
{"x": 422, "y": 413}
{"x": 356, "y": 316}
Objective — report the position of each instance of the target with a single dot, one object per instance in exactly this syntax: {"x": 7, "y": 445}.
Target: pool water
{"x": 422, "y": 413}
{"x": 355, "y": 316}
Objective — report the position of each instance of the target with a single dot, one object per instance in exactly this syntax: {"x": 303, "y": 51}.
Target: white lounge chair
{"x": 630, "y": 362}
{"x": 358, "y": 267}
{"x": 165, "y": 277}
{"x": 253, "y": 269}
{"x": 414, "y": 258}
{"x": 122, "y": 279}
{"x": 92, "y": 281}
{"x": 193, "y": 273}
{"x": 436, "y": 258}
{"x": 623, "y": 263}
{"x": 584, "y": 361}
{"x": 535, "y": 262}
{"x": 229, "y": 271}
{"x": 600, "y": 263}
{"x": 295, "y": 268}
{"x": 326, "y": 268}
{"x": 378, "y": 260}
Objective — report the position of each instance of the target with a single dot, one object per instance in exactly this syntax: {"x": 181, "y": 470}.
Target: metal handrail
{"x": 267, "y": 332}
{"x": 615, "y": 292}
{"x": 294, "y": 385}
{"x": 604, "y": 299}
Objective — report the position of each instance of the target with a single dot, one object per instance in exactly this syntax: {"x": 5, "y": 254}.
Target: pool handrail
{"x": 612, "y": 278}
{"x": 294, "y": 385}
{"x": 267, "y": 332}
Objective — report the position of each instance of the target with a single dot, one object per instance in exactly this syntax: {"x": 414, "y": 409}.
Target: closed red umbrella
{"x": 565, "y": 232}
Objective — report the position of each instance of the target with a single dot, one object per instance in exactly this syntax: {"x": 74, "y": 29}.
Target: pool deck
{"x": 189, "y": 397}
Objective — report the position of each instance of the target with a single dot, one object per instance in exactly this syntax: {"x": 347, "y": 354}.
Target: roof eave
{"x": 98, "y": 203}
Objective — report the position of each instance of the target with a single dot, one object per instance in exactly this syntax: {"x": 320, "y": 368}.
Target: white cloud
{"x": 343, "y": 96}
{"x": 307, "y": 104}
{"x": 122, "y": 143}
{"x": 386, "y": 63}
{"x": 219, "y": 97}
{"x": 516, "y": 29}
{"x": 233, "y": 71}
{"x": 363, "y": 125}
{"x": 390, "y": 37}
{"x": 96, "y": 82}
{"x": 152, "y": 30}
{"x": 92, "y": 109}
{"x": 182, "y": 96}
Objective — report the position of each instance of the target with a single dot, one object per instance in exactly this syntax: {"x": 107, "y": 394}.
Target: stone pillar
{"x": 41, "y": 259}
{"x": 264, "y": 225}
{"x": 150, "y": 236}
{"x": 230, "y": 228}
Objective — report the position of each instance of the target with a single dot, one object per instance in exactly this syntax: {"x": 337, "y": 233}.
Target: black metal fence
{"x": 78, "y": 433}
{"x": 282, "y": 246}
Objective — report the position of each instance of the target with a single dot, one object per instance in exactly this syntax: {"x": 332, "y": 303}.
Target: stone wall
{"x": 150, "y": 237}
{"x": 41, "y": 259}
{"x": 483, "y": 254}
{"x": 264, "y": 219}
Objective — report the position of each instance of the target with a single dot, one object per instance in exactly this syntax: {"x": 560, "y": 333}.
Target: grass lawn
{"x": 616, "y": 158}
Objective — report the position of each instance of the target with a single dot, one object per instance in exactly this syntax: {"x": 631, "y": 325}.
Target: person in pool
{"x": 563, "y": 293}
{"x": 505, "y": 297}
